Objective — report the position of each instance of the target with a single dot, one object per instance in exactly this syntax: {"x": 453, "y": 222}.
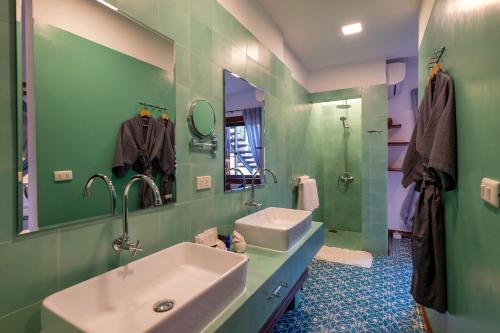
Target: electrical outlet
{"x": 203, "y": 182}
{"x": 63, "y": 175}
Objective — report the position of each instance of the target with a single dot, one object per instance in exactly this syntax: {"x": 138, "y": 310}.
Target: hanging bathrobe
{"x": 167, "y": 177}
{"x": 141, "y": 146}
{"x": 430, "y": 163}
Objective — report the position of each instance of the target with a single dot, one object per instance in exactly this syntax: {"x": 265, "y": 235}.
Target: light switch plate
{"x": 203, "y": 182}
{"x": 490, "y": 191}
{"x": 63, "y": 175}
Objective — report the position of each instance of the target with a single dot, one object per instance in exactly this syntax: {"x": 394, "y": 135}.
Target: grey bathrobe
{"x": 142, "y": 145}
{"x": 430, "y": 163}
{"x": 167, "y": 178}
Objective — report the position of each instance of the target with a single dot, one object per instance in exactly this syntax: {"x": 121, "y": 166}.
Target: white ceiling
{"x": 312, "y": 29}
{"x": 234, "y": 85}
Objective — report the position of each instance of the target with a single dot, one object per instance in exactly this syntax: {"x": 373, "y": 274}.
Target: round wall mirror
{"x": 202, "y": 118}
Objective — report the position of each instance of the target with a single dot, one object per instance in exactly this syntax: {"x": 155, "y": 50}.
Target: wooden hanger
{"x": 164, "y": 116}
{"x": 434, "y": 72}
{"x": 145, "y": 113}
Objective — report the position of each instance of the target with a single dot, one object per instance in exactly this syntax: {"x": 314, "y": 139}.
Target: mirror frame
{"x": 192, "y": 124}
{"x": 263, "y": 133}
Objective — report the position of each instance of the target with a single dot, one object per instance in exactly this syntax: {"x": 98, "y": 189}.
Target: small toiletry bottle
{"x": 228, "y": 241}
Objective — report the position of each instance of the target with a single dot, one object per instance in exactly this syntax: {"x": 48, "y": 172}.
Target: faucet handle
{"x": 253, "y": 203}
{"x": 134, "y": 248}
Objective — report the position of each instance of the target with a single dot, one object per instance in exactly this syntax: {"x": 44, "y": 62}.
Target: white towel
{"x": 308, "y": 195}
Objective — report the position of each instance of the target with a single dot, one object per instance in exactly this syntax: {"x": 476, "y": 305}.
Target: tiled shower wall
{"x": 207, "y": 40}
{"x": 342, "y": 205}
{"x": 371, "y": 197}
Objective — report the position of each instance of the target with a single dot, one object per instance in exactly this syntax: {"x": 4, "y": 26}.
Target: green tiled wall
{"x": 207, "y": 40}
{"x": 470, "y": 30}
{"x": 374, "y": 169}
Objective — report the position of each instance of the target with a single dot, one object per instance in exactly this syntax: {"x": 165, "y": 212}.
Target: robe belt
{"x": 429, "y": 177}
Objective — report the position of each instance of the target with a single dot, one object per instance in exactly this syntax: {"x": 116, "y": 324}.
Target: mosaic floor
{"x": 341, "y": 298}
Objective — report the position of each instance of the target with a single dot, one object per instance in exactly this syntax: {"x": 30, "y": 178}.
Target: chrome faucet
{"x": 111, "y": 189}
{"x": 123, "y": 242}
{"x": 252, "y": 202}
{"x": 242, "y": 175}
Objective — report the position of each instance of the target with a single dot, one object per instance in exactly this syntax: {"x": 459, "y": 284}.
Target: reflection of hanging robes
{"x": 430, "y": 162}
{"x": 167, "y": 177}
{"x": 141, "y": 145}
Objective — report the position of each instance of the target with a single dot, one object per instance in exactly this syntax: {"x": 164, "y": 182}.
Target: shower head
{"x": 344, "y": 122}
{"x": 344, "y": 106}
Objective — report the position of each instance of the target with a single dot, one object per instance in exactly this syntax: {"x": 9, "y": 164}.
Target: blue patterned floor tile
{"x": 342, "y": 298}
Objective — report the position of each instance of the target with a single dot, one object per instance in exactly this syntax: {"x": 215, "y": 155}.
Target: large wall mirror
{"x": 243, "y": 132}
{"x": 96, "y": 95}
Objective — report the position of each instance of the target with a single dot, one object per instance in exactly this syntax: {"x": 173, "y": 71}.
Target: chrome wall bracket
{"x": 210, "y": 144}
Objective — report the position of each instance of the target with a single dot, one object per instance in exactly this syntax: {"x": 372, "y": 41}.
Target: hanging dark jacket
{"x": 431, "y": 163}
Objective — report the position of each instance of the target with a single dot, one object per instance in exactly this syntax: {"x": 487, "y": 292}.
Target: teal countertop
{"x": 262, "y": 265}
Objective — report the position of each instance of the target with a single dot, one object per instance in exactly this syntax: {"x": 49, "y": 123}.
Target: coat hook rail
{"x": 153, "y": 106}
{"x": 436, "y": 57}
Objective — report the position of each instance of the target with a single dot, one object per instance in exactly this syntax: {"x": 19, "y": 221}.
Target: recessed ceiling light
{"x": 107, "y": 4}
{"x": 352, "y": 28}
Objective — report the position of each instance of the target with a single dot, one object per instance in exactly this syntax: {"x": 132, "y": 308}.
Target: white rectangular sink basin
{"x": 201, "y": 281}
{"x": 274, "y": 228}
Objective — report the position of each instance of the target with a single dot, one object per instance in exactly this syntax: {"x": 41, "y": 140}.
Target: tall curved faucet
{"x": 123, "y": 242}
{"x": 109, "y": 184}
{"x": 252, "y": 202}
{"x": 242, "y": 175}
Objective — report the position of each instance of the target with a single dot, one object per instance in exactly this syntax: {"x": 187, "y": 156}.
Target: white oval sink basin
{"x": 201, "y": 281}
{"x": 274, "y": 228}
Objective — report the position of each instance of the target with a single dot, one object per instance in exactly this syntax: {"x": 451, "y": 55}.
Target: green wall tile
{"x": 145, "y": 11}
{"x": 202, "y": 215}
{"x": 202, "y": 10}
{"x": 26, "y": 319}
{"x": 174, "y": 225}
{"x": 7, "y": 53}
{"x": 200, "y": 39}
{"x": 222, "y": 21}
{"x": 80, "y": 260}
{"x": 30, "y": 270}
{"x": 182, "y": 65}
{"x": 8, "y": 11}
{"x": 174, "y": 20}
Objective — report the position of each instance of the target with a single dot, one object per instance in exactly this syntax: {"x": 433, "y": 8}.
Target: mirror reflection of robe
{"x": 430, "y": 163}
{"x": 167, "y": 177}
{"x": 141, "y": 146}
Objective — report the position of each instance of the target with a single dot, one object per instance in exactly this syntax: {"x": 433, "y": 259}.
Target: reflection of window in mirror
{"x": 243, "y": 119}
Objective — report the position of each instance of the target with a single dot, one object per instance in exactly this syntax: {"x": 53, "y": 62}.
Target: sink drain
{"x": 164, "y": 305}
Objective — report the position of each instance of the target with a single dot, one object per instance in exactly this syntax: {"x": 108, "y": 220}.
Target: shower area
{"x": 340, "y": 158}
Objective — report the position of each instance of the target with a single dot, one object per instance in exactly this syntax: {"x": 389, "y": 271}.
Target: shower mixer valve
{"x": 346, "y": 178}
